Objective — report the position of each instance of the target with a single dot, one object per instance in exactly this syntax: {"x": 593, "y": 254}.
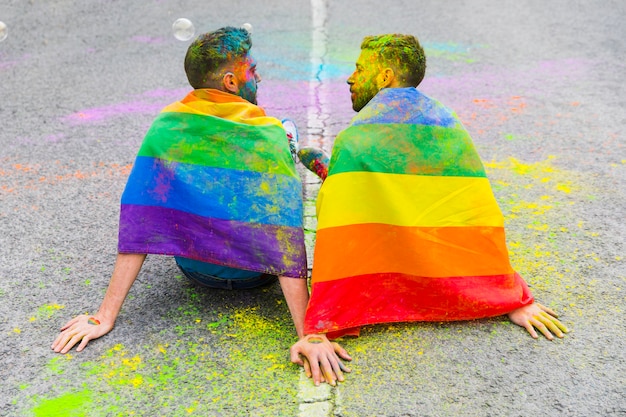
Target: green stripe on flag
{"x": 208, "y": 140}
{"x": 406, "y": 149}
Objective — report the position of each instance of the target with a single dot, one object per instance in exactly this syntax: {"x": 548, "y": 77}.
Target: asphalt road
{"x": 538, "y": 84}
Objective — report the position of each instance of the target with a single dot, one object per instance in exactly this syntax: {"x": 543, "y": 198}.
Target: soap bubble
{"x": 183, "y": 29}
{"x": 3, "y": 31}
{"x": 248, "y": 27}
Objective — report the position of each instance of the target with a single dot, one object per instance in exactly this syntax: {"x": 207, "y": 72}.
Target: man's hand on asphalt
{"x": 320, "y": 358}
{"x": 80, "y": 329}
{"x": 537, "y": 316}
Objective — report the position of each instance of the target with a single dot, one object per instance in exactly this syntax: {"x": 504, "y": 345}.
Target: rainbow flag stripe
{"x": 408, "y": 226}
{"x": 214, "y": 181}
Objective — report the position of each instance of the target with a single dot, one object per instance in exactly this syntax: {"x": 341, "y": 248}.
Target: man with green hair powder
{"x": 408, "y": 228}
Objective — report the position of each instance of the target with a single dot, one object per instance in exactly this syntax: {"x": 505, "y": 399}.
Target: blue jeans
{"x": 213, "y": 281}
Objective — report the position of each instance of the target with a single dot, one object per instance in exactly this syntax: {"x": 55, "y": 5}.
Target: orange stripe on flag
{"x": 209, "y": 102}
{"x": 422, "y": 251}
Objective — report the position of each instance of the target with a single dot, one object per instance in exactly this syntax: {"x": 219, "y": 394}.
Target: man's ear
{"x": 385, "y": 78}
{"x": 229, "y": 82}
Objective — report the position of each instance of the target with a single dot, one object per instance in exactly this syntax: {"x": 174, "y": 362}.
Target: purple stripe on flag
{"x": 276, "y": 250}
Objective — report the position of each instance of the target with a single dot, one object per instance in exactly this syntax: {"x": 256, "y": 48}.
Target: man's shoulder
{"x": 405, "y": 106}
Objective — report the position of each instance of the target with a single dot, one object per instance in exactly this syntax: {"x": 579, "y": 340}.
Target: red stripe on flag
{"x": 383, "y": 298}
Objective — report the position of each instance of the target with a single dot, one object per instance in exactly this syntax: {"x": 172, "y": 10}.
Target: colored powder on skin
{"x": 203, "y": 58}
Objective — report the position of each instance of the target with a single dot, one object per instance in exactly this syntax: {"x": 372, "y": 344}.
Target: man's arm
{"x": 319, "y": 357}
{"x": 296, "y": 294}
{"x": 88, "y": 327}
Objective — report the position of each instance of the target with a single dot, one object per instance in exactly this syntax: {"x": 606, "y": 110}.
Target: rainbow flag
{"x": 214, "y": 181}
{"x": 408, "y": 227}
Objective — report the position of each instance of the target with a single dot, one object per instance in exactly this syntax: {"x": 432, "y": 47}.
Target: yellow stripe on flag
{"x": 407, "y": 200}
